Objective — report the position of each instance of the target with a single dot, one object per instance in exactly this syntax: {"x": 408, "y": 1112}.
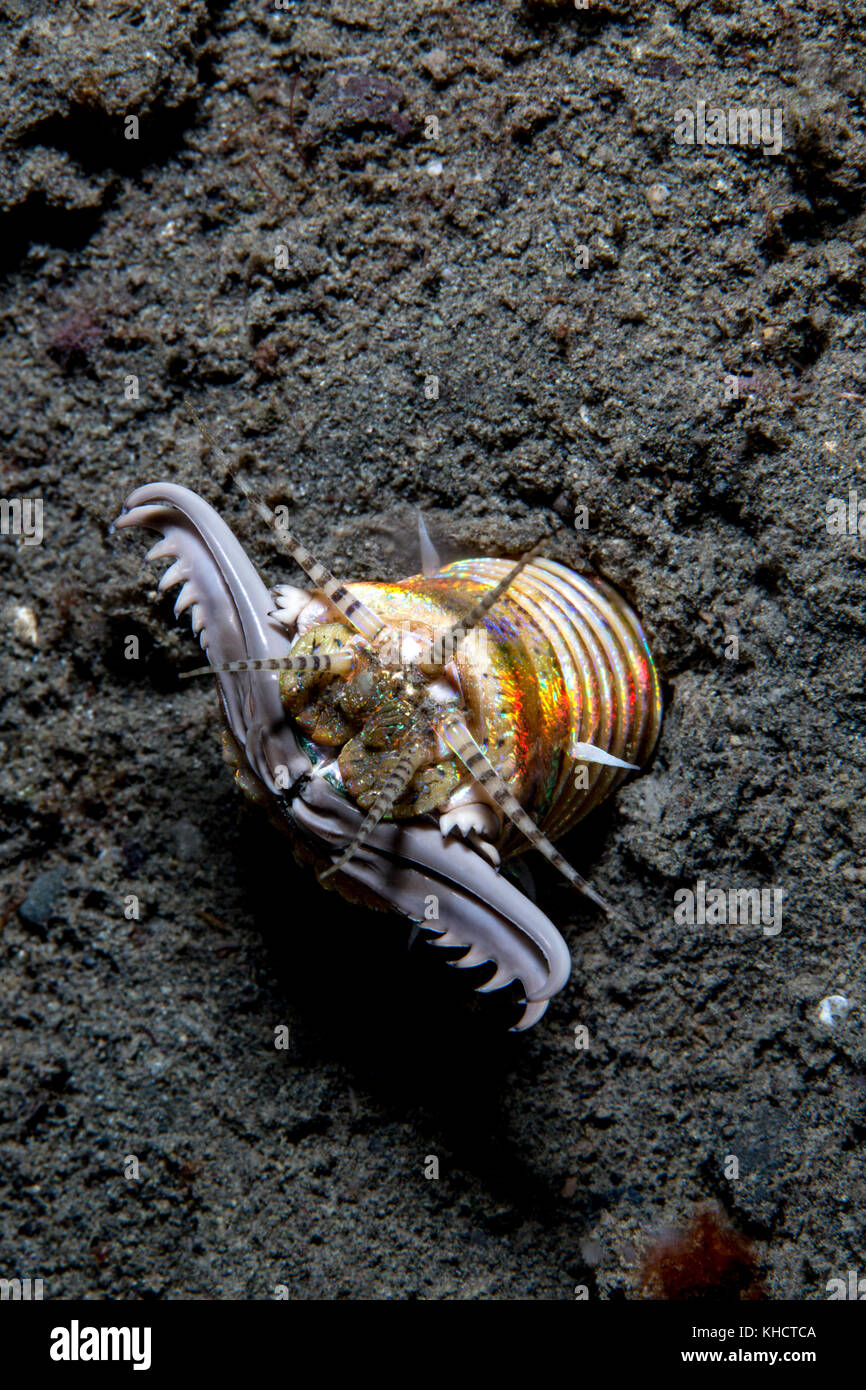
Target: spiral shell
{"x": 565, "y": 662}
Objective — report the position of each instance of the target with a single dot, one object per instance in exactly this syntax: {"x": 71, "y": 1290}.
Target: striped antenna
{"x": 445, "y": 645}
{"x": 397, "y": 780}
{"x": 338, "y": 663}
{"x": 362, "y": 618}
{"x": 461, "y": 742}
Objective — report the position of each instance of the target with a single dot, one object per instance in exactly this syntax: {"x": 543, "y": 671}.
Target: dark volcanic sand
{"x": 559, "y": 387}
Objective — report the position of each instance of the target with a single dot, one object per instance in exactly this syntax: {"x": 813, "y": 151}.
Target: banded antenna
{"x": 461, "y": 743}
{"x": 444, "y": 646}
{"x": 397, "y": 780}
{"x": 339, "y": 663}
{"x": 362, "y": 618}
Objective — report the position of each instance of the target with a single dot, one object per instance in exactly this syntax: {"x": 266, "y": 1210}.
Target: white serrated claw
{"x": 291, "y": 601}
{"x": 175, "y": 574}
{"x": 163, "y": 550}
{"x": 473, "y": 818}
{"x": 476, "y": 955}
{"x": 498, "y": 981}
{"x": 531, "y": 1014}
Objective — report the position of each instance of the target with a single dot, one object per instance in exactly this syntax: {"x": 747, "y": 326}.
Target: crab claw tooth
{"x": 499, "y": 980}
{"x": 531, "y": 1014}
{"x": 485, "y": 847}
{"x": 448, "y": 938}
{"x": 175, "y": 574}
{"x": 163, "y": 550}
{"x": 185, "y": 599}
{"x": 476, "y": 955}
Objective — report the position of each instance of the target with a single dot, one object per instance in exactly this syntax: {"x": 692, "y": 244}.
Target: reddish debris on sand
{"x": 708, "y": 1258}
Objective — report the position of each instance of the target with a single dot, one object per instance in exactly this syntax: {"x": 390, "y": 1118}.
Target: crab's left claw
{"x": 229, "y": 609}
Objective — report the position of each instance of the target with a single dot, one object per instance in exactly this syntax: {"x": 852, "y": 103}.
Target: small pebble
{"x": 657, "y": 195}
{"x": 188, "y": 840}
{"x": 24, "y": 624}
{"x": 591, "y": 1252}
{"x": 436, "y": 63}
{"x": 42, "y": 895}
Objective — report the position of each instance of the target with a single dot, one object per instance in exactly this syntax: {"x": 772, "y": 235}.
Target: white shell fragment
{"x": 24, "y": 623}
{"x": 834, "y": 1009}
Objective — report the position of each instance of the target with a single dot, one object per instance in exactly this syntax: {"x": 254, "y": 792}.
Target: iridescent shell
{"x": 559, "y": 663}
{"x": 564, "y": 662}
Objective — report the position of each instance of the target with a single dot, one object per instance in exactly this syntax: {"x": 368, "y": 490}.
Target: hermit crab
{"x": 410, "y": 735}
